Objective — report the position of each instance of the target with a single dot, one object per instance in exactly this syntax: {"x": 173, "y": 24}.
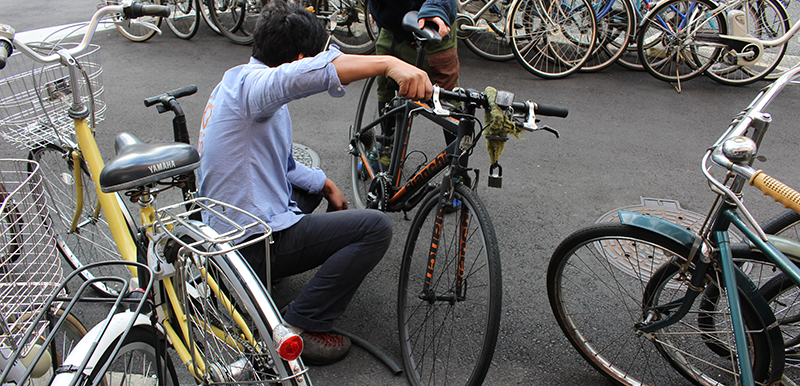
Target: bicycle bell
{"x": 739, "y": 149}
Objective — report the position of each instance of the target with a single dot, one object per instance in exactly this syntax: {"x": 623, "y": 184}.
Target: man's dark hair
{"x": 284, "y": 31}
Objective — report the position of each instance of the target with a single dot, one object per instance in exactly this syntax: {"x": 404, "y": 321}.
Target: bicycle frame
{"x": 407, "y": 196}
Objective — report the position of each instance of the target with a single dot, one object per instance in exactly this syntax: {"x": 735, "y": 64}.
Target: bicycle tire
{"x": 135, "y": 360}
{"x": 486, "y": 37}
{"x": 767, "y": 20}
{"x": 630, "y": 58}
{"x": 671, "y": 57}
{"x": 783, "y": 296}
{"x": 234, "y": 19}
{"x": 598, "y": 306}
{"x": 202, "y": 8}
{"x": 184, "y": 18}
{"x": 140, "y": 29}
{"x": 451, "y": 339}
{"x": 615, "y": 26}
{"x": 257, "y": 358}
{"x": 784, "y": 225}
{"x": 366, "y": 112}
{"x": 353, "y": 30}
{"x": 557, "y": 44}
{"x": 92, "y": 240}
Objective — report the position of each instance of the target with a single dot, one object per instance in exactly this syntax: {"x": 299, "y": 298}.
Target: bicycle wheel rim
{"x": 552, "y": 41}
{"x": 183, "y": 19}
{"x": 352, "y": 29}
{"x": 447, "y": 342}
{"x": 678, "y": 56}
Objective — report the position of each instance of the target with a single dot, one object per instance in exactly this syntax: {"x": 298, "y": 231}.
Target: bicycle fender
{"x": 115, "y": 329}
{"x": 788, "y": 247}
{"x": 662, "y": 227}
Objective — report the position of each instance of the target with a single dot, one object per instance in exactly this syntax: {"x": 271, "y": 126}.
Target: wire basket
{"x": 34, "y": 100}
{"x": 30, "y": 269}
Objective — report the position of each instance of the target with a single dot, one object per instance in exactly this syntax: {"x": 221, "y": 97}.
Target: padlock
{"x": 495, "y": 176}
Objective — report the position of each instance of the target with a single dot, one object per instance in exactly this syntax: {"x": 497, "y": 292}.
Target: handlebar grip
{"x": 179, "y": 93}
{"x": 551, "y": 110}
{"x": 5, "y": 51}
{"x": 779, "y": 192}
{"x": 137, "y": 10}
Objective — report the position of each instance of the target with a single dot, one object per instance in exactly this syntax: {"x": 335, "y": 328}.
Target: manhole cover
{"x": 304, "y": 155}
{"x": 626, "y": 254}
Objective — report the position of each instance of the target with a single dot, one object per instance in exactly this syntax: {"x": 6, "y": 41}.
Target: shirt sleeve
{"x": 268, "y": 88}
{"x": 310, "y": 179}
{"x": 444, "y": 9}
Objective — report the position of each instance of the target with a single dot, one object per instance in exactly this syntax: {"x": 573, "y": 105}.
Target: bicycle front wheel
{"x": 136, "y": 362}
{"x": 553, "y": 39}
{"x": 678, "y": 40}
{"x": 202, "y": 9}
{"x": 236, "y": 19}
{"x": 349, "y": 24}
{"x": 615, "y": 25}
{"x": 91, "y": 240}
{"x": 228, "y": 311}
{"x": 449, "y": 317}
{"x": 139, "y": 29}
{"x": 184, "y": 18}
{"x": 605, "y": 281}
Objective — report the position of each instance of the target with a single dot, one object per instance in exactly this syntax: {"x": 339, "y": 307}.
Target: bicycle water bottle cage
{"x": 427, "y": 34}
{"x": 138, "y": 163}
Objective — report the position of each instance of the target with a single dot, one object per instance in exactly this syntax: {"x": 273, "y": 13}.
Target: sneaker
{"x": 324, "y": 348}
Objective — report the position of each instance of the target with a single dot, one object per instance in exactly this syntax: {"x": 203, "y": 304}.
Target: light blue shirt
{"x": 246, "y": 138}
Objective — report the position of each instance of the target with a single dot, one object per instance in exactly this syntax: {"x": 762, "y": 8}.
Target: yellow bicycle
{"x": 205, "y": 299}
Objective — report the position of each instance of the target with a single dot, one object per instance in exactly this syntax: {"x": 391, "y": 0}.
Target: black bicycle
{"x": 449, "y": 293}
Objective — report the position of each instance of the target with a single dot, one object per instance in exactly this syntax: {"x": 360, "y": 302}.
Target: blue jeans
{"x": 345, "y": 245}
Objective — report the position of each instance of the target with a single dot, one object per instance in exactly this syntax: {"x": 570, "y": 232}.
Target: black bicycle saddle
{"x": 429, "y": 33}
{"x": 138, "y": 163}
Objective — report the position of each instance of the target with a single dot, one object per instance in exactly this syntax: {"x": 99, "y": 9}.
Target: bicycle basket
{"x": 30, "y": 269}
{"x": 34, "y": 100}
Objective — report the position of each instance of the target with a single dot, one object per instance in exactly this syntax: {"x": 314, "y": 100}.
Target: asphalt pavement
{"x": 627, "y": 136}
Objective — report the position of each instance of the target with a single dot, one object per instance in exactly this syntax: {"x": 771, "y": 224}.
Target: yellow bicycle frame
{"x": 127, "y": 248}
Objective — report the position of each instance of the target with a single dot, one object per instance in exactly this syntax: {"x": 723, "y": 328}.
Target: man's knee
{"x": 380, "y": 225}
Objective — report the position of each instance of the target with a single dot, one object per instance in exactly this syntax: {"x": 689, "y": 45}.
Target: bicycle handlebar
{"x": 779, "y": 192}
{"x": 174, "y": 94}
{"x": 128, "y": 11}
{"x": 473, "y": 96}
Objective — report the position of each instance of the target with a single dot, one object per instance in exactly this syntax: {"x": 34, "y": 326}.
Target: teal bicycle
{"x": 644, "y": 297}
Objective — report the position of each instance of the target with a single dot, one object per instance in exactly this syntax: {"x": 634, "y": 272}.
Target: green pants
{"x": 441, "y": 60}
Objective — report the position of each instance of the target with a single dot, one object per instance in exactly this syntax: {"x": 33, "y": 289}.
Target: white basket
{"x": 31, "y": 119}
{"x": 30, "y": 269}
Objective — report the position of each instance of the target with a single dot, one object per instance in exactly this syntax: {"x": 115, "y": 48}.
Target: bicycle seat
{"x": 428, "y": 34}
{"x": 138, "y": 163}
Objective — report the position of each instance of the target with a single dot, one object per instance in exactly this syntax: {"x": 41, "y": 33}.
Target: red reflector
{"x": 291, "y": 348}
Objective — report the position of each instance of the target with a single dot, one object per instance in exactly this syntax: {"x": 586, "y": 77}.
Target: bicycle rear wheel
{"x": 448, "y": 331}
{"x": 373, "y": 148}
{"x": 229, "y": 313}
{"x": 673, "y": 40}
{"x": 553, "y": 39}
{"x": 91, "y": 241}
{"x": 487, "y": 36}
{"x": 140, "y": 29}
{"x": 766, "y": 20}
{"x": 236, "y": 19}
{"x": 184, "y": 18}
{"x": 606, "y": 280}
{"x": 136, "y": 361}
{"x": 349, "y": 24}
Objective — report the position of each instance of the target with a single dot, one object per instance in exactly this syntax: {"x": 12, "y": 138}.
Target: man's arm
{"x": 414, "y": 82}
